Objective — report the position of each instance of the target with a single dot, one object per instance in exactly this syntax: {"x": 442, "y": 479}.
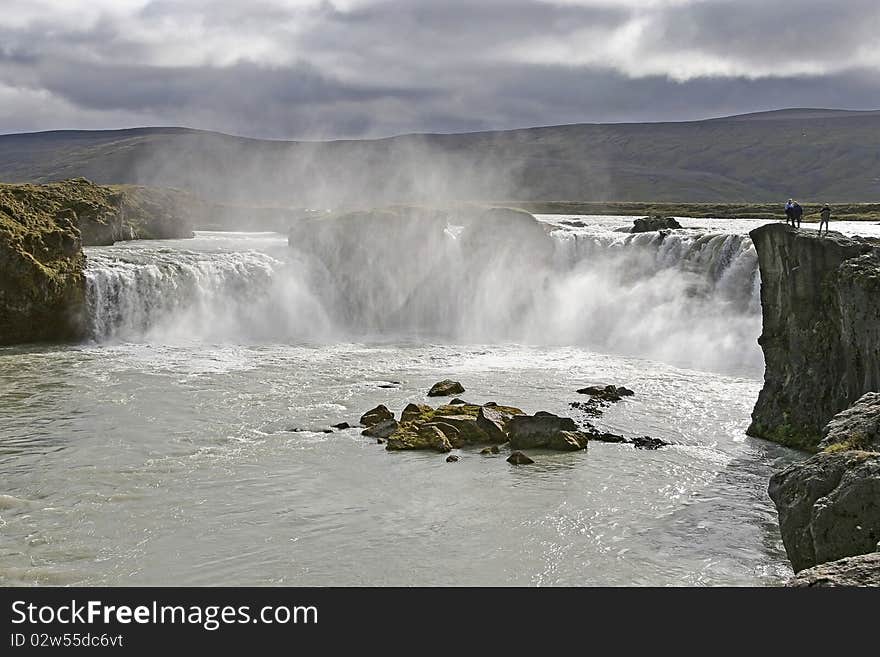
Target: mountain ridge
{"x": 814, "y": 154}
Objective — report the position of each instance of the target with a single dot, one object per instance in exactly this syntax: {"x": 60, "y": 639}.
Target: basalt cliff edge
{"x": 820, "y": 298}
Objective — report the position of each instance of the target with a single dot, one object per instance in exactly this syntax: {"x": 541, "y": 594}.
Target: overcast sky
{"x": 358, "y": 68}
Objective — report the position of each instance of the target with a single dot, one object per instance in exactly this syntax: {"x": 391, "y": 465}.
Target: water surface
{"x": 184, "y": 444}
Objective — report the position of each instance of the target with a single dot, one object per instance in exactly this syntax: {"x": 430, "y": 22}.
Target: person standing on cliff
{"x": 796, "y": 213}
{"x": 788, "y": 207}
{"x": 825, "y": 217}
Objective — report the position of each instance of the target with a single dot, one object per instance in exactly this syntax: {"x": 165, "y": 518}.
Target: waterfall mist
{"x": 687, "y": 297}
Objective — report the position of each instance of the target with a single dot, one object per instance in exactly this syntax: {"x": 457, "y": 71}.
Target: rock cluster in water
{"x": 460, "y": 424}
{"x": 602, "y": 396}
{"x": 451, "y": 426}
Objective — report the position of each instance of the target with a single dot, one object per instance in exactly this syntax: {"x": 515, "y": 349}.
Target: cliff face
{"x": 42, "y": 231}
{"x": 41, "y": 281}
{"x": 829, "y": 506}
{"x": 821, "y": 339}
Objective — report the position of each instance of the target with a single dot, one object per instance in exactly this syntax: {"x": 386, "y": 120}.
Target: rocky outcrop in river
{"x": 821, "y": 337}
{"x": 862, "y": 570}
{"x": 460, "y": 424}
{"x": 42, "y": 231}
{"x": 451, "y": 426}
{"x": 648, "y": 224}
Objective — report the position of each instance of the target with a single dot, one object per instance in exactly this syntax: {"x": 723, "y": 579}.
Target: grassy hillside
{"x": 813, "y": 155}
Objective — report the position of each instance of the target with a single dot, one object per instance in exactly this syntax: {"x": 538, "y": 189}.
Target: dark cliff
{"x": 42, "y": 231}
{"x": 821, "y": 338}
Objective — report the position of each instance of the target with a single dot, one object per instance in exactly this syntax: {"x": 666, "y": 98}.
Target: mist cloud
{"x": 320, "y": 69}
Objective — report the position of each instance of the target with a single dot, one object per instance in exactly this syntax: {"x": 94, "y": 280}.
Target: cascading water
{"x": 687, "y": 297}
{"x": 179, "y": 294}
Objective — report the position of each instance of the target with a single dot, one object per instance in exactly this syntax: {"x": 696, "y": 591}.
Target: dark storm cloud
{"x": 613, "y": 97}
{"x": 760, "y": 31}
{"x": 287, "y": 68}
{"x": 238, "y": 86}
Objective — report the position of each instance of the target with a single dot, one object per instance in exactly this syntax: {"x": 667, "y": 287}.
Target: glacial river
{"x": 184, "y": 443}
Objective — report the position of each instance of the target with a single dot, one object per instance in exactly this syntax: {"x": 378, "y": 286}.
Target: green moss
{"x": 409, "y": 434}
{"x": 857, "y": 442}
{"x": 788, "y": 435}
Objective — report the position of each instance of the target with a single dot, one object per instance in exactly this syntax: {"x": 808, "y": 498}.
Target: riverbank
{"x": 761, "y": 211}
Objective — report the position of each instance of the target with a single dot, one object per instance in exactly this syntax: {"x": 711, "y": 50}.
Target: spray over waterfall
{"x": 686, "y": 297}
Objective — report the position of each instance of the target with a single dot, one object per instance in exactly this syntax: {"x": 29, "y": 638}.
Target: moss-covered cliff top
{"x": 28, "y": 208}
{"x": 102, "y": 213}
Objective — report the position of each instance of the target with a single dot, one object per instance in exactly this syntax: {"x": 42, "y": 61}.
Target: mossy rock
{"x": 428, "y": 437}
{"x": 457, "y": 423}
{"x": 42, "y": 287}
{"x": 413, "y": 412}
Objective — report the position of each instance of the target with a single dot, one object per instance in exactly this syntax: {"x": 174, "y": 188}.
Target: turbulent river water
{"x": 183, "y": 444}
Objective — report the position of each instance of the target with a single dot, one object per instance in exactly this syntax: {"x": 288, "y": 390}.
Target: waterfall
{"x": 685, "y": 297}
{"x": 175, "y": 294}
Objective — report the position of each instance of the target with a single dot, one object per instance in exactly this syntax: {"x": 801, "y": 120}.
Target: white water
{"x": 689, "y": 298}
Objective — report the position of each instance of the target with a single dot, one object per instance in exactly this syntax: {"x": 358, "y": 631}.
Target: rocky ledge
{"x": 820, "y": 298}
{"x": 42, "y": 231}
{"x": 829, "y": 507}
{"x": 857, "y": 427}
{"x": 863, "y": 570}
{"x": 829, "y": 504}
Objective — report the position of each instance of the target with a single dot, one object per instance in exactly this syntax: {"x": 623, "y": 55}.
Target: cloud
{"x": 315, "y": 68}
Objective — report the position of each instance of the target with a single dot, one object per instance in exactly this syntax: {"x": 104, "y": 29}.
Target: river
{"x": 184, "y": 443}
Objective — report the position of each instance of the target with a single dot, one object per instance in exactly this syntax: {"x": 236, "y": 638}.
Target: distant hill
{"x": 812, "y": 154}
